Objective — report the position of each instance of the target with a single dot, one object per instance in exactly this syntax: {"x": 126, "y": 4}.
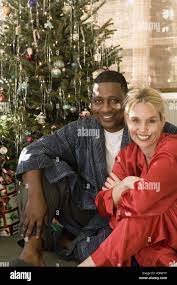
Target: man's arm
{"x": 37, "y": 156}
{"x": 46, "y": 151}
{"x": 36, "y": 207}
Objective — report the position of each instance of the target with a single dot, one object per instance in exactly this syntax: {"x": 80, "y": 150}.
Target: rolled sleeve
{"x": 104, "y": 203}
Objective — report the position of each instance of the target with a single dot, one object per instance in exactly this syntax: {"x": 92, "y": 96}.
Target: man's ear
{"x": 125, "y": 118}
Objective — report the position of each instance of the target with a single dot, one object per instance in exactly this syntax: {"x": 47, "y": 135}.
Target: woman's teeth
{"x": 143, "y": 138}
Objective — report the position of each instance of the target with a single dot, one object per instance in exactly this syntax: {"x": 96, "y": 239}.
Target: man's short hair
{"x": 112, "y": 76}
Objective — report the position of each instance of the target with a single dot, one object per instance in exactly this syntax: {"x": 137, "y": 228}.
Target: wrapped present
{"x": 9, "y": 215}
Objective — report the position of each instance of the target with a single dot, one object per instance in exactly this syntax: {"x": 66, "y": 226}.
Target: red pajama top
{"x": 152, "y": 203}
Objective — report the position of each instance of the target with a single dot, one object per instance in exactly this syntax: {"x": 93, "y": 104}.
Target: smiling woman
{"x": 141, "y": 202}
{"x": 144, "y": 114}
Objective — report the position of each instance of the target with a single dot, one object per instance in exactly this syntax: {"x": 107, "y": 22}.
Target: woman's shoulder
{"x": 168, "y": 143}
{"x": 128, "y": 150}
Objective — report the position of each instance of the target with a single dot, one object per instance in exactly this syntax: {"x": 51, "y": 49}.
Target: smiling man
{"x": 63, "y": 173}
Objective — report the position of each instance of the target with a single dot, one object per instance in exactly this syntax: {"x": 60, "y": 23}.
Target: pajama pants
{"x": 134, "y": 237}
{"x": 72, "y": 218}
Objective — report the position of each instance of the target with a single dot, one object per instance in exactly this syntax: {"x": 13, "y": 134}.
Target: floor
{"x": 9, "y": 249}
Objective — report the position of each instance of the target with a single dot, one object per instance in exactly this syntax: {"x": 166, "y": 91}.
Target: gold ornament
{"x": 3, "y": 150}
{"x": 29, "y": 51}
{"x": 41, "y": 118}
{"x": 55, "y": 72}
{"x": 18, "y": 30}
{"x": 66, "y": 9}
{"x": 6, "y": 10}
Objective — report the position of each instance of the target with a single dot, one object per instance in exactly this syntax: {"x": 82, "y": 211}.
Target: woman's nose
{"x": 143, "y": 128}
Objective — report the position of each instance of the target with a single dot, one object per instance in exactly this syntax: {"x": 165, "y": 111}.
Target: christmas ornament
{"x": 29, "y": 139}
{"x": 3, "y": 150}
{"x": 67, "y": 9}
{"x": 29, "y": 57}
{"x": 32, "y": 3}
{"x": 66, "y": 107}
{"x": 48, "y": 25}
{"x": 84, "y": 113}
{"x": 53, "y": 127}
{"x": 6, "y": 10}
{"x": 97, "y": 57}
{"x": 59, "y": 63}
{"x": 55, "y": 72}
{"x": 1, "y": 52}
{"x": 2, "y": 98}
{"x": 41, "y": 118}
{"x": 74, "y": 65}
{"x": 29, "y": 51}
{"x": 75, "y": 36}
{"x": 18, "y": 30}
{"x": 36, "y": 36}
{"x": 73, "y": 109}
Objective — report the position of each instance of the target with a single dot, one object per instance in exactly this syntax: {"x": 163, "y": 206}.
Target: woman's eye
{"x": 135, "y": 120}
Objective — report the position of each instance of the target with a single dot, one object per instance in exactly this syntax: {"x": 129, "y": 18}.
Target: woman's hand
{"x": 128, "y": 182}
{"x": 111, "y": 182}
{"x": 125, "y": 184}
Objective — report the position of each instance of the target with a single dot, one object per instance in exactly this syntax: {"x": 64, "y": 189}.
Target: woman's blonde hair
{"x": 145, "y": 95}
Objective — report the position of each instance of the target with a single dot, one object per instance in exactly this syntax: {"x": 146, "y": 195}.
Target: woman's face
{"x": 144, "y": 125}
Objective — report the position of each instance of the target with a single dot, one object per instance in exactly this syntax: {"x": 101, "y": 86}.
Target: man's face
{"x": 107, "y": 99}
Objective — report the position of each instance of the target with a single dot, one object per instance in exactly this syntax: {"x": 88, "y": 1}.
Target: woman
{"x": 140, "y": 197}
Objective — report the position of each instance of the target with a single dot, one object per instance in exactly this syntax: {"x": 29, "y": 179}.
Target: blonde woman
{"x": 140, "y": 197}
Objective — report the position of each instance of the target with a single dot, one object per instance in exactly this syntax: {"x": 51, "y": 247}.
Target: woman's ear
{"x": 163, "y": 120}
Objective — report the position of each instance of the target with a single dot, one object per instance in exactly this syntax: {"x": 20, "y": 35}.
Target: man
{"x": 64, "y": 172}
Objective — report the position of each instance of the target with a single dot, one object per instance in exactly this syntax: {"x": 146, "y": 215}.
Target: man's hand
{"x": 34, "y": 214}
{"x": 111, "y": 182}
{"x": 36, "y": 207}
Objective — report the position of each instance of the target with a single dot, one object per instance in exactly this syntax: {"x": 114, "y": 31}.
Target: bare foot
{"x": 87, "y": 263}
{"x": 32, "y": 252}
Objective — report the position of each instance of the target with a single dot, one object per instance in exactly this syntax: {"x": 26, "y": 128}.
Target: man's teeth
{"x": 143, "y": 138}
{"x": 107, "y": 117}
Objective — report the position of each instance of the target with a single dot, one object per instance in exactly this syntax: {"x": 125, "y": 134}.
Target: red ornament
{"x": 29, "y": 139}
{"x": 29, "y": 57}
{"x": 2, "y": 98}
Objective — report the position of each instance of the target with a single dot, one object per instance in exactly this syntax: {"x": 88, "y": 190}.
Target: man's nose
{"x": 106, "y": 107}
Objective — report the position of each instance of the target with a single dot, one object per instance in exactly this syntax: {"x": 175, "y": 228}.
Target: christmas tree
{"x": 49, "y": 52}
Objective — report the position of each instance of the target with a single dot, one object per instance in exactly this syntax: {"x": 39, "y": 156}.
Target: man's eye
{"x": 97, "y": 101}
{"x": 115, "y": 101}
